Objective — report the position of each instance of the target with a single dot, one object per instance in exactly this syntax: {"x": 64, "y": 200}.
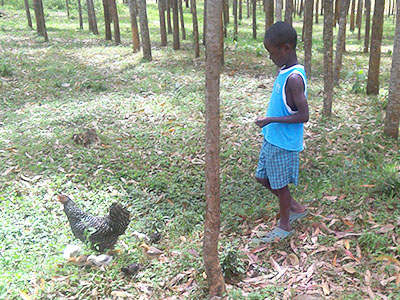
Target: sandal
{"x": 296, "y": 216}
{"x": 277, "y": 233}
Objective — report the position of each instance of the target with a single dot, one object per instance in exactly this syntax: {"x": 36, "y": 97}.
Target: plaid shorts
{"x": 278, "y": 165}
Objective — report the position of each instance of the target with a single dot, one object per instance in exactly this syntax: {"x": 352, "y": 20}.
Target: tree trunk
{"x": 169, "y": 23}
{"x": 28, "y": 13}
{"x": 40, "y": 21}
{"x": 393, "y": 106}
{"x": 254, "y": 7}
{"x": 107, "y": 20}
{"x": 308, "y": 23}
{"x": 163, "y": 29}
{"x": 225, "y": 12}
{"x": 328, "y": 49}
{"x": 144, "y": 30}
{"x": 92, "y": 17}
{"x": 289, "y": 11}
{"x": 195, "y": 29}
{"x": 352, "y": 13}
{"x": 367, "y": 24}
{"x": 182, "y": 20}
{"x": 212, "y": 219}
{"x": 269, "y": 14}
{"x": 80, "y": 14}
{"x": 175, "y": 15}
{"x": 248, "y": 3}
{"x": 67, "y": 8}
{"x": 316, "y": 11}
{"x": 340, "y": 39}
{"x": 204, "y": 22}
{"x": 278, "y": 10}
{"x": 235, "y": 20}
{"x": 322, "y": 7}
{"x": 337, "y": 12}
{"x": 115, "y": 20}
{"x": 134, "y": 26}
{"x": 240, "y": 9}
{"x": 375, "y": 55}
{"x": 359, "y": 18}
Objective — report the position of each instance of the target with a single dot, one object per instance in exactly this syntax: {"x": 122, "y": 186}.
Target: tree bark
{"x": 225, "y": 12}
{"x": 28, "y": 13}
{"x": 204, "y": 22}
{"x": 359, "y": 18}
{"x": 107, "y": 20}
{"x": 134, "y": 26}
{"x": 144, "y": 30}
{"x": 328, "y": 53}
{"x": 254, "y": 7}
{"x": 115, "y": 20}
{"x": 278, "y": 10}
{"x": 240, "y": 9}
{"x": 367, "y": 25}
{"x": 92, "y": 17}
{"x": 316, "y": 11}
{"x": 40, "y": 21}
{"x": 67, "y": 8}
{"x": 375, "y": 55}
{"x": 163, "y": 29}
{"x": 182, "y": 20}
{"x": 169, "y": 23}
{"x": 235, "y": 20}
{"x": 195, "y": 29}
{"x": 308, "y": 23}
{"x": 269, "y": 14}
{"x": 289, "y": 11}
{"x": 392, "y": 118}
{"x": 175, "y": 17}
{"x": 212, "y": 161}
{"x": 352, "y": 13}
{"x": 340, "y": 40}
{"x": 80, "y": 14}
{"x": 337, "y": 12}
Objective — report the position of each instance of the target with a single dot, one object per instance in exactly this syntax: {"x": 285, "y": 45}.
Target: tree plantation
{"x": 129, "y": 147}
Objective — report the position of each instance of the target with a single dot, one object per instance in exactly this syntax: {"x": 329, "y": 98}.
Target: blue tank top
{"x": 284, "y": 135}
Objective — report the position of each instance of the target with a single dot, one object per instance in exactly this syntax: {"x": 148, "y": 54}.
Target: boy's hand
{"x": 262, "y": 121}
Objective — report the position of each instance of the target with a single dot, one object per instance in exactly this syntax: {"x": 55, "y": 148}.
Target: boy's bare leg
{"x": 284, "y": 207}
{"x": 295, "y": 207}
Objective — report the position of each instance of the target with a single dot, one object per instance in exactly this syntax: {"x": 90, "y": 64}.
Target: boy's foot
{"x": 296, "y": 216}
{"x": 276, "y": 233}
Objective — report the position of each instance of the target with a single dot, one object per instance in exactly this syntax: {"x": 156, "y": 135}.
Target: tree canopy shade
{"x": 393, "y": 107}
{"x": 212, "y": 160}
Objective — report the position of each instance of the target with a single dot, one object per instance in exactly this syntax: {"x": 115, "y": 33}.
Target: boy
{"x": 283, "y": 127}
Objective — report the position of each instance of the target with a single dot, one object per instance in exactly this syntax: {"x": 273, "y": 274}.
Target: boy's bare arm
{"x": 295, "y": 95}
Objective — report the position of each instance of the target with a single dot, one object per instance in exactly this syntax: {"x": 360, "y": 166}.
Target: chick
{"x": 131, "y": 269}
{"x": 151, "y": 252}
{"x": 71, "y": 251}
{"x": 100, "y": 260}
{"x": 80, "y": 260}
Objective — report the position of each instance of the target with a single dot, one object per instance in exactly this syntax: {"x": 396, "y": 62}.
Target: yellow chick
{"x": 79, "y": 260}
{"x": 151, "y": 252}
{"x": 100, "y": 260}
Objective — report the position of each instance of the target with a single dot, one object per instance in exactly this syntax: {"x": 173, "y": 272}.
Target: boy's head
{"x": 280, "y": 40}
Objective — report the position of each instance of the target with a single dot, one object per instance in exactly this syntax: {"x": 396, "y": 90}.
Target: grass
{"x": 150, "y": 119}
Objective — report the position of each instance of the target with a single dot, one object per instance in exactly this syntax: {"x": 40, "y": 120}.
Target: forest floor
{"x": 150, "y": 120}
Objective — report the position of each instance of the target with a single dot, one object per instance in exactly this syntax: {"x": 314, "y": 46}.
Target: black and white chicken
{"x": 101, "y": 232}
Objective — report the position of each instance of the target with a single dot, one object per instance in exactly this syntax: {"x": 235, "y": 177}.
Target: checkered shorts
{"x": 278, "y": 165}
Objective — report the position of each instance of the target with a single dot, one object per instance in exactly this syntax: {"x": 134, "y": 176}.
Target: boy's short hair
{"x": 281, "y": 33}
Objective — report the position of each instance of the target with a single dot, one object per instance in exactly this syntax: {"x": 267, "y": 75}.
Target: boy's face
{"x": 278, "y": 54}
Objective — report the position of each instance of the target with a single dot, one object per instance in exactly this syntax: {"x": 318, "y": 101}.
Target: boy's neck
{"x": 291, "y": 62}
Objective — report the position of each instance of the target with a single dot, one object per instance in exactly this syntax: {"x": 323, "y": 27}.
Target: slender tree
{"x": 107, "y": 19}
{"x": 225, "y": 11}
{"x": 80, "y": 14}
{"x": 359, "y": 18}
{"x": 248, "y": 4}
{"x": 134, "y": 26}
{"x": 308, "y": 23}
{"x": 67, "y": 8}
{"x": 340, "y": 39}
{"x": 28, "y": 13}
{"x": 115, "y": 20}
{"x": 205, "y": 22}
{"x": 182, "y": 20}
{"x": 212, "y": 161}
{"x": 235, "y": 20}
{"x": 163, "y": 28}
{"x": 269, "y": 13}
{"x": 169, "y": 23}
{"x": 352, "y": 14}
{"x": 278, "y": 10}
{"x": 375, "y": 55}
{"x": 393, "y": 107}
{"x": 40, "y": 21}
{"x": 316, "y": 11}
{"x": 289, "y": 11}
{"x": 240, "y": 9}
{"x": 92, "y": 17}
{"x": 367, "y": 24}
{"x": 328, "y": 53}
{"x": 195, "y": 29}
{"x": 144, "y": 30}
{"x": 175, "y": 15}
{"x": 337, "y": 10}
{"x": 254, "y": 7}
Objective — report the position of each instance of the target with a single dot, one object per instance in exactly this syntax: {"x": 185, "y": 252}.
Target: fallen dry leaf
{"x": 388, "y": 258}
{"x": 386, "y": 228}
{"x": 293, "y": 259}
{"x": 325, "y": 288}
{"x": 24, "y": 295}
{"x": 349, "y": 269}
